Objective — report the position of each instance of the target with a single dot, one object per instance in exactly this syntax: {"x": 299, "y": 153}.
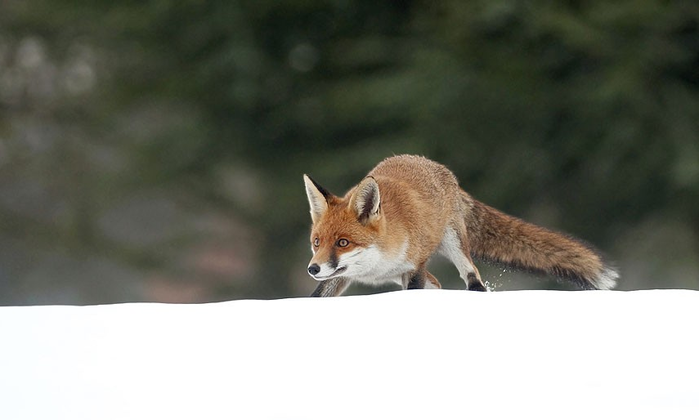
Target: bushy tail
{"x": 498, "y": 237}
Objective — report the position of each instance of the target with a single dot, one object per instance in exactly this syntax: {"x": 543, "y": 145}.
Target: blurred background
{"x": 153, "y": 151}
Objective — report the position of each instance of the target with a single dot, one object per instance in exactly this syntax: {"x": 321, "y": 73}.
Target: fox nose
{"x": 314, "y": 269}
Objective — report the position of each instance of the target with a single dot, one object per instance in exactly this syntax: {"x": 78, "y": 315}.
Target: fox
{"x": 409, "y": 208}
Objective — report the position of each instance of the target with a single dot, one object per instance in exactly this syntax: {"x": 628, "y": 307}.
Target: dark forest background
{"x": 153, "y": 151}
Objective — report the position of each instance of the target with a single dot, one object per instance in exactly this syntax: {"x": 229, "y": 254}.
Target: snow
{"x": 423, "y": 354}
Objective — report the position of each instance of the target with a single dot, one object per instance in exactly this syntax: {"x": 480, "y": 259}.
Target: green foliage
{"x": 588, "y": 109}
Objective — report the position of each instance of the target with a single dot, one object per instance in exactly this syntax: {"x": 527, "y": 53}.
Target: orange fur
{"x": 409, "y": 208}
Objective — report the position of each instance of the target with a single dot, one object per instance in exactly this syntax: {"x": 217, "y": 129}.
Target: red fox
{"x": 408, "y": 208}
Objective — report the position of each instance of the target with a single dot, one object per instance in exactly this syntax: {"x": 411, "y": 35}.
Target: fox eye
{"x": 316, "y": 242}
{"x": 342, "y": 242}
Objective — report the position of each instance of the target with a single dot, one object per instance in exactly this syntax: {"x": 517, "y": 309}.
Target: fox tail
{"x": 501, "y": 238}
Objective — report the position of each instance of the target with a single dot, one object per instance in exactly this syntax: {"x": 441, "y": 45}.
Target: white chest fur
{"x": 372, "y": 266}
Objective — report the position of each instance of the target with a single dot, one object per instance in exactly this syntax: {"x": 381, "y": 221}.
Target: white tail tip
{"x": 607, "y": 279}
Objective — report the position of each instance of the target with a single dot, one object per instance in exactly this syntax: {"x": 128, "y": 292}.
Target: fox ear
{"x": 366, "y": 200}
{"x": 317, "y": 198}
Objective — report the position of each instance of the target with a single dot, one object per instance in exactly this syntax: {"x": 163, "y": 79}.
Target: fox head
{"x": 344, "y": 230}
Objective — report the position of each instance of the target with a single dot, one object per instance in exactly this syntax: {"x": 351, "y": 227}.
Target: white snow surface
{"x": 423, "y": 354}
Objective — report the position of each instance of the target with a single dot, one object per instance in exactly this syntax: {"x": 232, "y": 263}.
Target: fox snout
{"x": 313, "y": 269}
{"x": 325, "y": 271}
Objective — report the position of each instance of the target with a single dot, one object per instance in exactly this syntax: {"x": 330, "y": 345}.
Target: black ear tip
{"x": 322, "y": 190}
{"x": 313, "y": 181}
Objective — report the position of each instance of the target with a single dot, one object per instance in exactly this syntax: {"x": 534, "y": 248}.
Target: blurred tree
{"x": 580, "y": 115}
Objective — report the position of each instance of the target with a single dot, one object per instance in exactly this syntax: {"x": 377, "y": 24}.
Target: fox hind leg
{"x": 475, "y": 283}
{"x": 454, "y": 246}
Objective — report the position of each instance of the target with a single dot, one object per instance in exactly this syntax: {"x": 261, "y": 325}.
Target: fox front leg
{"x": 332, "y": 287}
{"x": 420, "y": 279}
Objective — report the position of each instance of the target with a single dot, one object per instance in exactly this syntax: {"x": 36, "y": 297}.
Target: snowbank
{"x": 427, "y": 354}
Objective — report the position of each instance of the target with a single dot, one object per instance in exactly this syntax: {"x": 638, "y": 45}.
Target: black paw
{"x": 475, "y": 284}
{"x": 478, "y": 287}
